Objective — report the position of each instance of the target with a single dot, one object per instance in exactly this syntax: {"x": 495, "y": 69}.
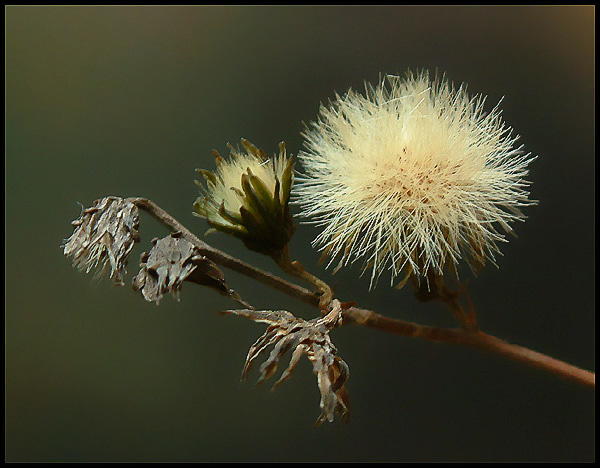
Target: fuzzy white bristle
{"x": 413, "y": 175}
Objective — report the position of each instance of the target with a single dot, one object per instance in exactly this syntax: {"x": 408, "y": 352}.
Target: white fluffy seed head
{"x": 411, "y": 177}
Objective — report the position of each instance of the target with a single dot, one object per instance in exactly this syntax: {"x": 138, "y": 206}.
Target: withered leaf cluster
{"x": 287, "y": 332}
{"x": 104, "y": 236}
{"x": 172, "y": 261}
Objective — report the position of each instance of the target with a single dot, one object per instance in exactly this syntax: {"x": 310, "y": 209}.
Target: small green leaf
{"x": 262, "y": 191}
{"x": 286, "y": 182}
{"x": 276, "y": 199}
{"x": 238, "y": 231}
{"x": 230, "y": 215}
{"x": 257, "y": 229}
{"x": 208, "y": 175}
{"x": 254, "y": 151}
{"x": 200, "y": 207}
{"x": 254, "y": 203}
{"x": 218, "y": 159}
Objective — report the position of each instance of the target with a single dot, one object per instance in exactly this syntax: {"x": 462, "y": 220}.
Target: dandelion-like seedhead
{"x": 412, "y": 177}
{"x": 248, "y": 197}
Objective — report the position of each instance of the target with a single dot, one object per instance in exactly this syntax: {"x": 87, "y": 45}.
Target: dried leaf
{"x": 172, "y": 261}
{"x": 311, "y": 337}
{"x": 104, "y": 236}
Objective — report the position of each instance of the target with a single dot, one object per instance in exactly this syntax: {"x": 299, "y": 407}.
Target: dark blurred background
{"x": 129, "y": 101}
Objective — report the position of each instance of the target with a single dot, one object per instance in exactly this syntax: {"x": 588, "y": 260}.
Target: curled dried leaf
{"x": 172, "y": 261}
{"x": 311, "y": 337}
{"x": 104, "y": 236}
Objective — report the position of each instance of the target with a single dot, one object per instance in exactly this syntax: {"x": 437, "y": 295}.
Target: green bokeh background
{"x": 128, "y": 101}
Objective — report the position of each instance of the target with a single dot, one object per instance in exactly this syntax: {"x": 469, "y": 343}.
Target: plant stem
{"x": 296, "y": 269}
{"x": 223, "y": 258}
{"x": 434, "y": 288}
{"x": 473, "y": 338}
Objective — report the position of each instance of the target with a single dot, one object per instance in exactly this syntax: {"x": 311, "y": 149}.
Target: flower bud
{"x": 248, "y": 197}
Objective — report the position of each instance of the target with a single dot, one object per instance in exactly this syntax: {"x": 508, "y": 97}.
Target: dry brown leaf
{"x": 172, "y": 261}
{"x": 104, "y": 236}
{"x": 311, "y": 337}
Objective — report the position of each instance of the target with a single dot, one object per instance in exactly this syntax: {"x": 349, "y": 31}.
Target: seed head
{"x": 412, "y": 177}
{"x": 287, "y": 332}
{"x": 171, "y": 261}
{"x": 248, "y": 197}
{"x": 103, "y": 237}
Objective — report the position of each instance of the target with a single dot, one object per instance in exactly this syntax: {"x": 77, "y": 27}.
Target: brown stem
{"x": 296, "y": 269}
{"x": 476, "y": 339}
{"x": 434, "y": 288}
{"x": 223, "y": 258}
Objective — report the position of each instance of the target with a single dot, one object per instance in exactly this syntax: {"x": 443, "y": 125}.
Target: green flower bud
{"x": 248, "y": 197}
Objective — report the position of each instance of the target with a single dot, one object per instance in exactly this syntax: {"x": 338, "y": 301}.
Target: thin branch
{"x": 476, "y": 339}
{"x": 296, "y": 269}
{"x": 223, "y": 258}
{"x": 435, "y": 288}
